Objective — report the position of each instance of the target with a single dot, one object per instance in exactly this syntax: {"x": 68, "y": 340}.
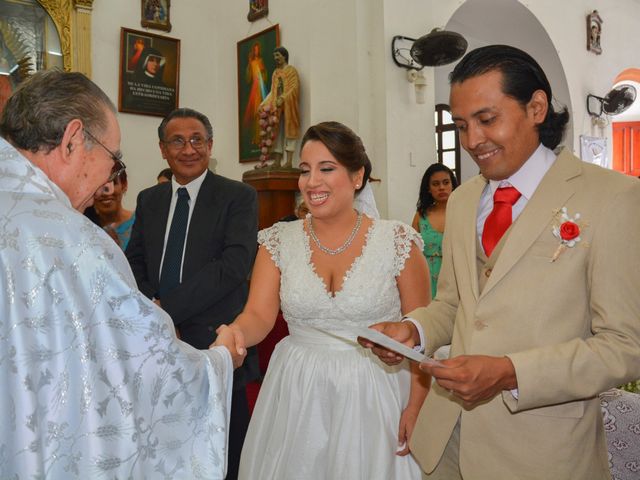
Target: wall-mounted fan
{"x": 619, "y": 99}
{"x": 439, "y": 47}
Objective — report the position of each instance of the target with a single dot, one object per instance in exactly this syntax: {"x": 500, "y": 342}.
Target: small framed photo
{"x": 594, "y": 150}
{"x": 594, "y": 31}
{"x": 149, "y": 73}
{"x": 155, "y": 14}
{"x": 257, "y": 9}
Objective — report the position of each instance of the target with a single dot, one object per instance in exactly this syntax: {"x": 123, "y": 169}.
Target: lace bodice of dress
{"x": 369, "y": 293}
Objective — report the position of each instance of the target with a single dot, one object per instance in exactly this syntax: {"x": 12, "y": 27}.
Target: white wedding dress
{"x": 329, "y": 409}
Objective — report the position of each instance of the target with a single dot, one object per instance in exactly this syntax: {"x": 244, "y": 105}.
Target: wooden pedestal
{"x": 276, "y": 193}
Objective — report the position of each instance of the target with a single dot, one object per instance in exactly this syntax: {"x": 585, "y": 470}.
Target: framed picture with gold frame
{"x": 155, "y": 14}
{"x": 29, "y": 42}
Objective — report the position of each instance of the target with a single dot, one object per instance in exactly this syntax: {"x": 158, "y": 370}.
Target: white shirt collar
{"x": 193, "y": 187}
{"x": 527, "y": 179}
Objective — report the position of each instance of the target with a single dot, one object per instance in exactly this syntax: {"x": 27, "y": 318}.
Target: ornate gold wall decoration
{"x": 73, "y": 21}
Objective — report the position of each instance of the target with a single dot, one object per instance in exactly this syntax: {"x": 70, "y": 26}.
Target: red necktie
{"x": 499, "y": 219}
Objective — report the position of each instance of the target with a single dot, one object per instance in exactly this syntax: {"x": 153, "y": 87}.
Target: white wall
{"x": 334, "y": 55}
{"x": 342, "y": 50}
{"x": 555, "y": 35}
{"x": 485, "y": 22}
{"x": 586, "y": 72}
{"x": 410, "y": 139}
{"x": 195, "y": 26}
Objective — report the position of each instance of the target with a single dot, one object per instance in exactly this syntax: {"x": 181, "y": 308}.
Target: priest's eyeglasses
{"x": 118, "y": 164}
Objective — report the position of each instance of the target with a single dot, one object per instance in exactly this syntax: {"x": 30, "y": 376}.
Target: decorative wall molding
{"x": 72, "y": 18}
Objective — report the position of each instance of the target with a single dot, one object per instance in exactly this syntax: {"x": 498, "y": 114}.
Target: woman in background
{"x": 112, "y": 216}
{"x": 437, "y": 184}
{"x": 165, "y": 175}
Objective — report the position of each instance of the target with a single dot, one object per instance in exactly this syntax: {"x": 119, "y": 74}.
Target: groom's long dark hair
{"x": 521, "y": 77}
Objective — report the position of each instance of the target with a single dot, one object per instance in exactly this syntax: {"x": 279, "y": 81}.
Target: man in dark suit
{"x": 192, "y": 247}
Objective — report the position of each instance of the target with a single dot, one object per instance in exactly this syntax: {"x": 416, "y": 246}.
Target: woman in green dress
{"x": 437, "y": 184}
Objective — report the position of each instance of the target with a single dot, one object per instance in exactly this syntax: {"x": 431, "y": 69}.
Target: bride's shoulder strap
{"x": 270, "y": 238}
{"x": 403, "y": 237}
{"x": 277, "y": 238}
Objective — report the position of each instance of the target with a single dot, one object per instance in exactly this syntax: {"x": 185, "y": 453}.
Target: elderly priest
{"x": 93, "y": 382}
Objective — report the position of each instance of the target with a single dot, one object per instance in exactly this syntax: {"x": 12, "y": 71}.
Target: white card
{"x": 384, "y": 341}
{"x": 391, "y": 344}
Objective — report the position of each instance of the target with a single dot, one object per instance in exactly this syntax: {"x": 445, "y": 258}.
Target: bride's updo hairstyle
{"x": 344, "y": 145}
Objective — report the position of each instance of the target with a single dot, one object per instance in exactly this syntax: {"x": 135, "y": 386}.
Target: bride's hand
{"x": 407, "y": 423}
{"x": 233, "y": 339}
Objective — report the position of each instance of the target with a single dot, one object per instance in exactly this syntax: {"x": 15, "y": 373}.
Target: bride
{"x": 327, "y": 407}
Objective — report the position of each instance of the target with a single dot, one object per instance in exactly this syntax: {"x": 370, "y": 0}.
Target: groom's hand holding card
{"x": 390, "y": 350}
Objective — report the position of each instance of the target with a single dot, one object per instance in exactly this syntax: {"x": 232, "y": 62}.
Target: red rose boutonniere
{"x": 567, "y": 230}
{"x": 570, "y": 232}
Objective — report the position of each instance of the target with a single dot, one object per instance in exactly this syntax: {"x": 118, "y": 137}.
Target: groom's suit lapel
{"x": 551, "y": 195}
{"x": 469, "y": 234}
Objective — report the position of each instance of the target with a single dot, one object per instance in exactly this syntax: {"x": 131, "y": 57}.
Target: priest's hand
{"x": 474, "y": 378}
{"x": 233, "y": 339}
{"x": 403, "y": 332}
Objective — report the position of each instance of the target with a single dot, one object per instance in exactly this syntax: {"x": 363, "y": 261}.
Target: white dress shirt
{"x": 193, "y": 187}
{"x": 525, "y": 180}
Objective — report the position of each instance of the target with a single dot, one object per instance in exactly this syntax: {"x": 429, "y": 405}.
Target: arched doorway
{"x": 485, "y": 22}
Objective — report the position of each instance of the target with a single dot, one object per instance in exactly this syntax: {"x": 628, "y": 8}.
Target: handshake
{"x": 233, "y": 339}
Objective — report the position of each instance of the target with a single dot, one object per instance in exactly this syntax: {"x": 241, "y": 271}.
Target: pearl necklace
{"x": 341, "y": 248}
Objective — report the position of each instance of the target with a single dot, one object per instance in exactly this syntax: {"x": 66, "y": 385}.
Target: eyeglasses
{"x": 179, "y": 143}
{"x": 118, "y": 164}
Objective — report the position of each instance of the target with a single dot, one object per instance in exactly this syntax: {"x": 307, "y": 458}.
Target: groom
{"x": 537, "y": 293}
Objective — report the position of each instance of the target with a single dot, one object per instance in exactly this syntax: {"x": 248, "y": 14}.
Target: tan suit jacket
{"x": 571, "y": 327}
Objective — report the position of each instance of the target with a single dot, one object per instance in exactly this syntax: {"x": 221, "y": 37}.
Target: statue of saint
{"x": 279, "y": 114}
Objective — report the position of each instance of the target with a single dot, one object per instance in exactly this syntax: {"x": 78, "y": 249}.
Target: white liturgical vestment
{"x": 93, "y": 382}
